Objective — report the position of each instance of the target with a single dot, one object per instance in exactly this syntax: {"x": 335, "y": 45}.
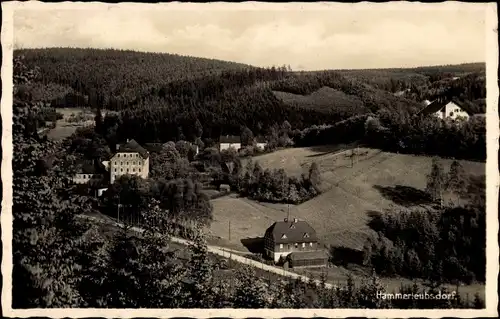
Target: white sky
{"x": 339, "y": 36}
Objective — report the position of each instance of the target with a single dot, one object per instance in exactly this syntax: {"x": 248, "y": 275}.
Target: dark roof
{"x": 438, "y": 104}
{"x": 295, "y": 232}
{"x": 229, "y": 139}
{"x": 260, "y": 139}
{"x": 307, "y": 255}
{"x": 133, "y": 147}
{"x": 89, "y": 167}
{"x": 153, "y": 147}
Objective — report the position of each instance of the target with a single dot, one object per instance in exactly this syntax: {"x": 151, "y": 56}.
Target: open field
{"x": 64, "y": 128}
{"x": 377, "y": 181}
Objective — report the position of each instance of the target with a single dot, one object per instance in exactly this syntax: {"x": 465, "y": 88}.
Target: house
{"x": 87, "y": 171}
{"x": 286, "y": 237}
{"x": 446, "y": 108}
{"x": 228, "y": 141}
{"x": 130, "y": 158}
{"x": 260, "y": 142}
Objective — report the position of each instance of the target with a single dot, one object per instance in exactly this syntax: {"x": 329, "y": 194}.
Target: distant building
{"x": 87, "y": 171}
{"x": 260, "y": 142}
{"x": 443, "y": 108}
{"x": 295, "y": 236}
{"x": 228, "y": 141}
{"x": 303, "y": 259}
{"x": 129, "y": 159}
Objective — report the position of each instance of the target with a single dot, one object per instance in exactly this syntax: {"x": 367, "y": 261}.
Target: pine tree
{"x": 315, "y": 176}
{"x": 457, "y": 180}
{"x": 436, "y": 181}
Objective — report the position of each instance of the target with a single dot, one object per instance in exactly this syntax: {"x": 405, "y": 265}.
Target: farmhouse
{"x": 444, "y": 108}
{"x": 130, "y": 158}
{"x": 228, "y": 141}
{"x": 295, "y": 236}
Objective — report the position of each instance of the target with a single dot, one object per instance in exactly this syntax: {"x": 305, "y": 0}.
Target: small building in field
{"x": 129, "y": 159}
{"x": 285, "y": 237}
{"x": 304, "y": 259}
{"x": 260, "y": 142}
{"x": 445, "y": 108}
{"x": 228, "y": 141}
{"x": 224, "y": 188}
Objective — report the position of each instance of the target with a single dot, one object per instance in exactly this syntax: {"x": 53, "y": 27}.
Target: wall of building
{"x": 261, "y": 145}
{"x": 286, "y": 249}
{"x": 225, "y": 146}
{"x": 84, "y": 178}
{"x": 128, "y": 163}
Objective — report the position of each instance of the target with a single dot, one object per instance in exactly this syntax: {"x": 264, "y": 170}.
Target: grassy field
{"x": 376, "y": 182}
{"x": 64, "y": 128}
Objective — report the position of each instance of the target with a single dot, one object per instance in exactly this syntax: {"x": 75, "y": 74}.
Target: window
{"x": 451, "y": 113}
{"x": 126, "y": 163}
{"x": 121, "y": 163}
{"x": 139, "y": 170}
{"x": 121, "y": 169}
{"x": 296, "y": 245}
{"x": 310, "y": 244}
{"x": 288, "y": 246}
{"x": 115, "y": 169}
{"x": 133, "y": 169}
{"x": 303, "y": 245}
{"x": 118, "y": 155}
{"x": 306, "y": 235}
{"x": 127, "y": 170}
{"x": 133, "y": 163}
{"x": 281, "y": 246}
{"x": 283, "y": 236}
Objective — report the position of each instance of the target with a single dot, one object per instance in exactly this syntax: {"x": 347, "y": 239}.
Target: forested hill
{"x": 162, "y": 95}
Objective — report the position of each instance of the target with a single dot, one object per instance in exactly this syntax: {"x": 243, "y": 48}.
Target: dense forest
{"x": 61, "y": 260}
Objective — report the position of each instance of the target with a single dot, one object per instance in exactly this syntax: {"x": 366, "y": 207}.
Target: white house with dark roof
{"x": 444, "y": 108}
{"x": 87, "y": 171}
{"x": 290, "y": 236}
{"x": 228, "y": 141}
{"x": 129, "y": 159}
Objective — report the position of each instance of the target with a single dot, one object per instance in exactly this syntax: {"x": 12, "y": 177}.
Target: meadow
{"x": 353, "y": 189}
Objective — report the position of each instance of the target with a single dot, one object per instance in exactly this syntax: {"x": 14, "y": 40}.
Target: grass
{"x": 64, "y": 128}
{"x": 377, "y": 182}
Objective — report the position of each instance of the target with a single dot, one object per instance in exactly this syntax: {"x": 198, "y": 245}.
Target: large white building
{"x": 447, "y": 109}
{"x": 129, "y": 159}
{"x": 228, "y": 141}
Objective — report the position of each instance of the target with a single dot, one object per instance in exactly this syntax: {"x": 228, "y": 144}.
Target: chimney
{"x": 117, "y": 147}
{"x": 128, "y": 140}
{"x": 295, "y": 220}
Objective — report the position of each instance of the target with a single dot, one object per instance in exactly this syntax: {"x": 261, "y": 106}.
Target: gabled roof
{"x": 295, "y": 232}
{"x": 153, "y": 147}
{"x": 229, "y": 139}
{"x": 133, "y": 147}
{"x": 260, "y": 139}
{"x": 439, "y": 104}
{"x": 89, "y": 167}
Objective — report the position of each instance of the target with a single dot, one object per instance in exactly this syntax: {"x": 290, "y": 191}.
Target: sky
{"x": 337, "y": 37}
